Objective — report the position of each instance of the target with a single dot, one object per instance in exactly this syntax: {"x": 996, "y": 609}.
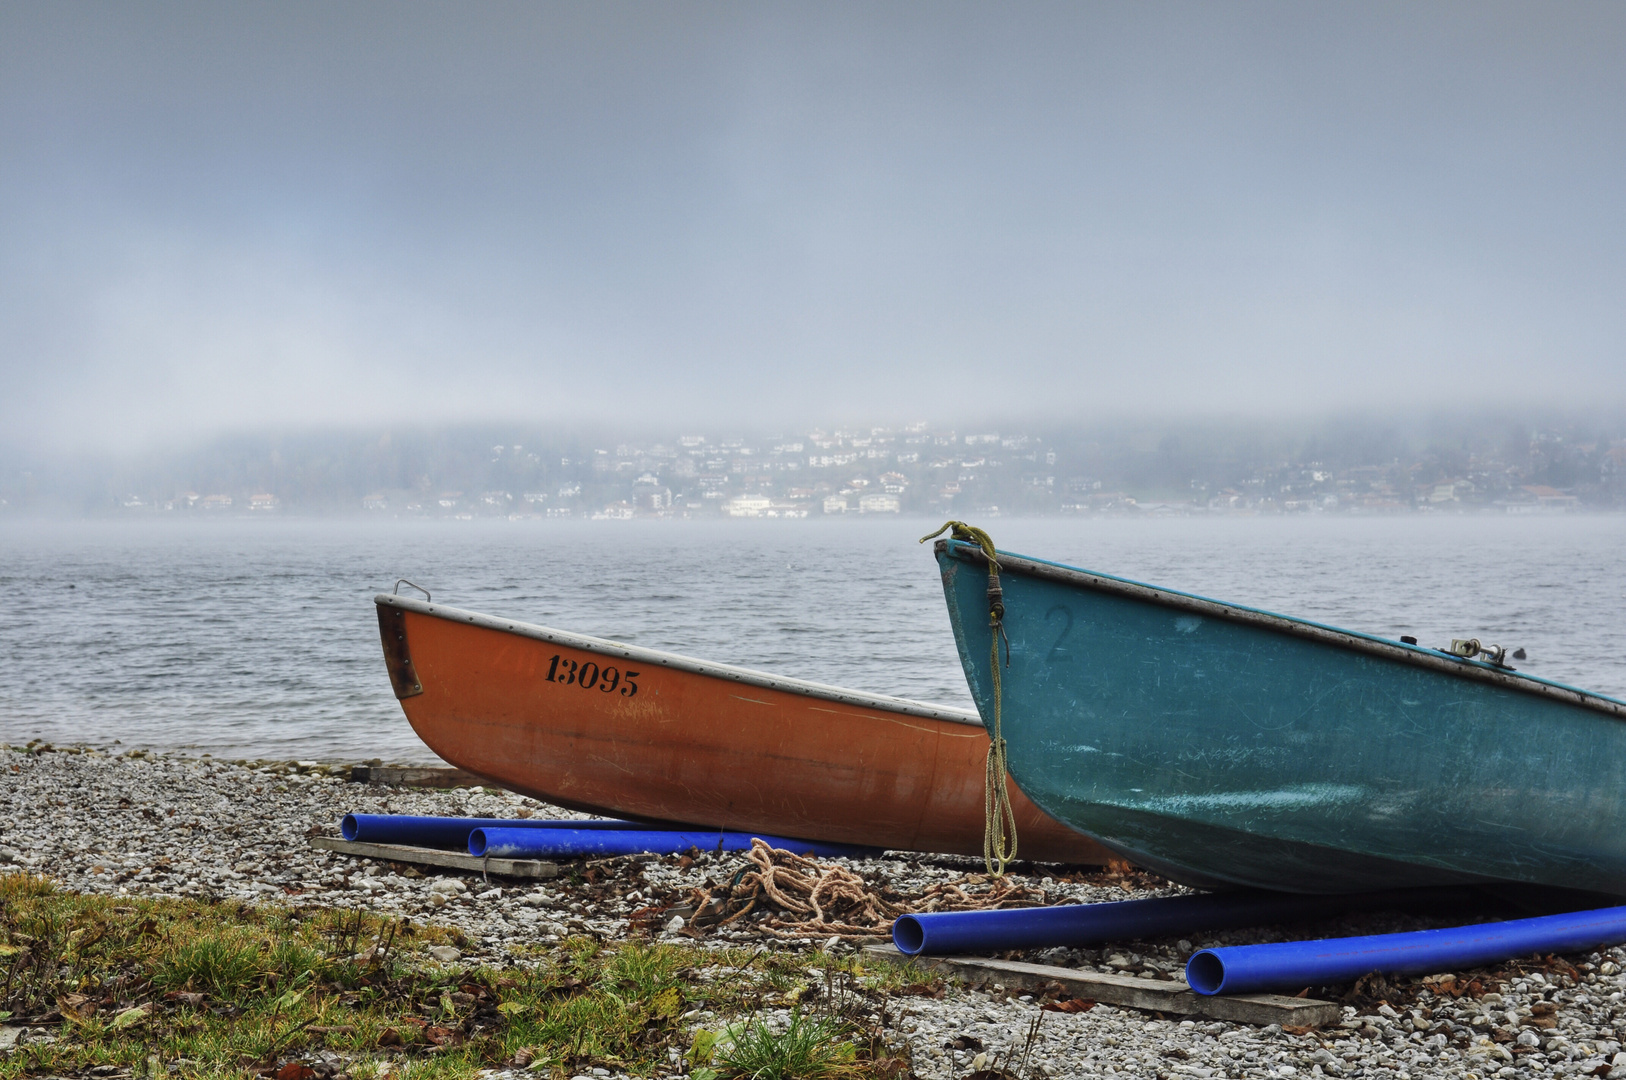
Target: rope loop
{"x": 999, "y": 816}
{"x": 968, "y": 534}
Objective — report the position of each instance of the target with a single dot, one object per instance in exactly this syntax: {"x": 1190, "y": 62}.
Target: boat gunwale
{"x": 677, "y": 662}
{"x": 1353, "y": 640}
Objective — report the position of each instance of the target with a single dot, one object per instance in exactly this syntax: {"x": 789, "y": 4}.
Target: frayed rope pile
{"x": 805, "y": 899}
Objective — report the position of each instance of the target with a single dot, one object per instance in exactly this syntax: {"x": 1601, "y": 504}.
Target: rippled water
{"x": 257, "y": 638}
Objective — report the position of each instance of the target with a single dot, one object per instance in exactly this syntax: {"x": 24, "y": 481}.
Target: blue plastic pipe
{"x": 453, "y": 833}
{"x": 1293, "y": 965}
{"x": 945, "y": 933}
{"x": 568, "y": 843}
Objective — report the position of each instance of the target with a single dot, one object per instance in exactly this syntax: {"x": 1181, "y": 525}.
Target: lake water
{"x": 258, "y": 638}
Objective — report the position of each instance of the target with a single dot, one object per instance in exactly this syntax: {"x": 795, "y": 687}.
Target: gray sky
{"x": 219, "y": 215}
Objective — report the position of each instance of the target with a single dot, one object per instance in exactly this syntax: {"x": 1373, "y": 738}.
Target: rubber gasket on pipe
{"x": 599, "y": 843}
{"x": 946, "y": 933}
{"x": 1292, "y": 965}
{"x": 452, "y": 833}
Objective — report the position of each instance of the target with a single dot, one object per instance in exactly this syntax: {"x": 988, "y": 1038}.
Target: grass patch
{"x": 809, "y": 1048}
{"x": 202, "y": 989}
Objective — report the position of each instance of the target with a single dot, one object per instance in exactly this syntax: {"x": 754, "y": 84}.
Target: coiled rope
{"x": 999, "y": 816}
{"x": 797, "y": 898}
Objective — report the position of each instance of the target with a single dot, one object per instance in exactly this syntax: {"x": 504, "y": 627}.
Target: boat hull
{"x": 608, "y": 728}
{"x": 1225, "y": 746}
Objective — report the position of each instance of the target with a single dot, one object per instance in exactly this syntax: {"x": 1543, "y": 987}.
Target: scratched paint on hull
{"x": 1235, "y": 752}
{"x": 699, "y": 749}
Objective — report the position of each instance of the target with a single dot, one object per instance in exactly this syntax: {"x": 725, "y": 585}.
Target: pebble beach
{"x": 141, "y": 823}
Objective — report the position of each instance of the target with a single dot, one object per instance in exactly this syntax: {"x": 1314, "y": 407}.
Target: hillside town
{"x": 917, "y": 469}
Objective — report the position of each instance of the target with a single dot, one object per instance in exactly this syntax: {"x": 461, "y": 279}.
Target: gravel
{"x": 97, "y": 820}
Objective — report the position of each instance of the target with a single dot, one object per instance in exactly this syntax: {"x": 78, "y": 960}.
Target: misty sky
{"x": 227, "y": 215}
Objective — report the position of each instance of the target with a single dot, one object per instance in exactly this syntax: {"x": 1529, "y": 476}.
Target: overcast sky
{"x": 227, "y": 215}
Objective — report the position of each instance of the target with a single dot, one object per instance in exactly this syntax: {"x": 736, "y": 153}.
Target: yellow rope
{"x": 999, "y": 816}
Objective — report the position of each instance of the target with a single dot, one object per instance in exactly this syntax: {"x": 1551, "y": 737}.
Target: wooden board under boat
{"x": 609, "y": 728}
{"x": 1224, "y": 745}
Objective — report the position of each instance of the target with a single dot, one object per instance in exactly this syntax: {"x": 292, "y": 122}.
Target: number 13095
{"x": 607, "y": 679}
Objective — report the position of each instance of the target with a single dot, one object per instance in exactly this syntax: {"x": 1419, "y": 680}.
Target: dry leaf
{"x": 1071, "y": 1005}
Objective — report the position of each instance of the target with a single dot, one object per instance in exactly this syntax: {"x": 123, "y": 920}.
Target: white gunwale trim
{"x": 745, "y": 676}
{"x": 1416, "y": 655}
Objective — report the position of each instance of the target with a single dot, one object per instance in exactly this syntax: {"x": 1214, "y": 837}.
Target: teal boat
{"x": 1227, "y": 746}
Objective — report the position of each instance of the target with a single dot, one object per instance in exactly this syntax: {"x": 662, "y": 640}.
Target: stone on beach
{"x": 152, "y": 824}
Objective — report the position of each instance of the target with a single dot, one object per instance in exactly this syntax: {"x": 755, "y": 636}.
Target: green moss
{"x": 223, "y": 989}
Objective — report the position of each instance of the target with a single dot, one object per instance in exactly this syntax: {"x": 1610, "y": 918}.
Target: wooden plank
{"x": 425, "y": 777}
{"x": 518, "y": 868}
{"x": 1154, "y": 995}
{"x": 1264, "y": 1009}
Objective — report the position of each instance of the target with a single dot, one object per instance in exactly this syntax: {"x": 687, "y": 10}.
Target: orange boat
{"x": 607, "y": 728}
